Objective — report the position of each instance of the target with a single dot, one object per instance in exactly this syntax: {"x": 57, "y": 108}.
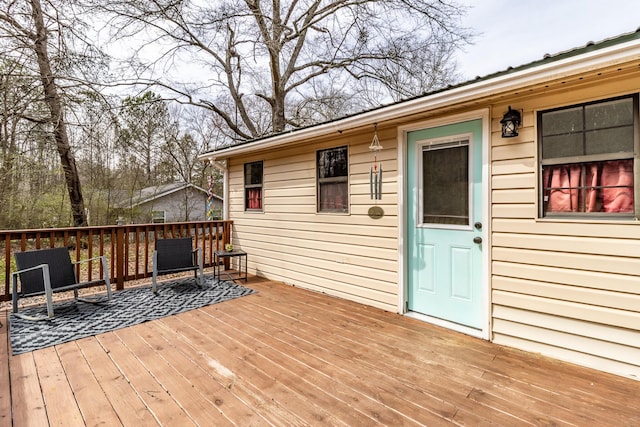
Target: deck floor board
{"x": 123, "y": 398}
{"x": 94, "y": 405}
{"x": 285, "y": 356}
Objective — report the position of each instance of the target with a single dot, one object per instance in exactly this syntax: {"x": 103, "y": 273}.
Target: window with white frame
{"x": 253, "y": 186}
{"x": 158, "y": 216}
{"x": 587, "y": 153}
{"x": 333, "y": 180}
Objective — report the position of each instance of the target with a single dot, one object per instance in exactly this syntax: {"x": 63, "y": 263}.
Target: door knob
{"x": 477, "y": 239}
{"x": 478, "y": 225}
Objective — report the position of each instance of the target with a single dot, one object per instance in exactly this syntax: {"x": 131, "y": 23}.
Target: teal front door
{"x": 444, "y": 217}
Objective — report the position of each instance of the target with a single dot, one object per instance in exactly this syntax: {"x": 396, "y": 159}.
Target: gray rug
{"x": 129, "y": 307}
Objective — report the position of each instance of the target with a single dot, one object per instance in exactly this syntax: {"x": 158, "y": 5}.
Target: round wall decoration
{"x": 376, "y": 212}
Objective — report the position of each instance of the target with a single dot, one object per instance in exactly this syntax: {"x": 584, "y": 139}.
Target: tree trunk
{"x": 52, "y": 99}
{"x": 279, "y": 121}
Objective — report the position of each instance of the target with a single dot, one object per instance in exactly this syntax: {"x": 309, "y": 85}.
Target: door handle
{"x": 477, "y": 239}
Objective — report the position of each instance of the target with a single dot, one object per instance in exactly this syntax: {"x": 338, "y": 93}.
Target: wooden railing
{"x": 128, "y": 248}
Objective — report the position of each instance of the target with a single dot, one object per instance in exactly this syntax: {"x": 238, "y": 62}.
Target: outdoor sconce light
{"x": 510, "y": 122}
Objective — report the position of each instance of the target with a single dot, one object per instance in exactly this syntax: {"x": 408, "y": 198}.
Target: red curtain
{"x": 333, "y": 196}
{"x": 254, "y": 198}
{"x": 590, "y": 187}
{"x": 563, "y": 191}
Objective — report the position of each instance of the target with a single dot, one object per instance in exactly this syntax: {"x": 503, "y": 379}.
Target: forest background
{"x": 100, "y": 99}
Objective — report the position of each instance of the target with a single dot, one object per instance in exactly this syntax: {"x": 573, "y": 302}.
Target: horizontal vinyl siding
{"x": 346, "y": 255}
{"x": 568, "y": 289}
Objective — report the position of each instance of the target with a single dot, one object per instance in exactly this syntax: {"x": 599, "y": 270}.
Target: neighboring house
{"x": 167, "y": 203}
{"x": 529, "y": 240}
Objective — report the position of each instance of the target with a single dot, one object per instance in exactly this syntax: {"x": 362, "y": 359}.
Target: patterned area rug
{"x": 129, "y": 307}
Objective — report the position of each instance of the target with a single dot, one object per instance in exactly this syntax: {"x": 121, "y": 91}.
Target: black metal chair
{"x": 45, "y": 271}
{"x": 175, "y": 256}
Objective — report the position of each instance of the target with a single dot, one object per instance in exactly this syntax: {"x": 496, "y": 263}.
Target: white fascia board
{"x": 566, "y": 67}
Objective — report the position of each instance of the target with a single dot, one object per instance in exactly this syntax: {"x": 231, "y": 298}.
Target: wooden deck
{"x": 288, "y": 357}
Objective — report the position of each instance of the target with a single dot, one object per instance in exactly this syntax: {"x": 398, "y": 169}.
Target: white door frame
{"x": 484, "y": 115}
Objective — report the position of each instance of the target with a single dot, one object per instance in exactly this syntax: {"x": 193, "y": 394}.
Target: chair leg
{"x": 200, "y": 277}
{"x": 154, "y": 285}
{"x": 14, "y": 294}
{"x": 48, "y": 291}
{"x": 107, "y": 281}
{"x": 201, "y": 281}
{"x": 14, "y": 298}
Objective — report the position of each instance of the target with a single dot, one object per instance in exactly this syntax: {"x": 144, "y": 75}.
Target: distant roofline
{"x": 172, "y": 189}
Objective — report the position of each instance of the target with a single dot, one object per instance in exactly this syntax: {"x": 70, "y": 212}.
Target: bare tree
{"x": 252, "y": 62}
{"x": 14, "y": 107}
{"x": 95, "y": 136}
{"x": 144, "y": 121}
{"x": 26, "y": 23}
{"x": 185, "y": 140}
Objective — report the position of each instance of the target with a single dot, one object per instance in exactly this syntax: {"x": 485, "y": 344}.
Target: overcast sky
{"x": 513, "y": 33}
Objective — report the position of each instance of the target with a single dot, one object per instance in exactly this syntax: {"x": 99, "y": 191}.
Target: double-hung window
{"x": 253, "y": 186}
{"x": 158, "y": 216}
{"x": 333, "y": 180}
{"x": 587, "y": 156}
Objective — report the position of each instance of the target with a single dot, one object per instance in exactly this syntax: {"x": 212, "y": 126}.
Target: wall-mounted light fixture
{"x": 510, "y": 123}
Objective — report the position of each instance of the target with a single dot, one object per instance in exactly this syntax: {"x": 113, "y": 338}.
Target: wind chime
{"x": 210, "y": 212}
{"x": 375, "y": 172}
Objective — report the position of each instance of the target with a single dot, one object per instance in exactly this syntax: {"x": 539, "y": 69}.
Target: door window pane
{"x": 445, "y": 183}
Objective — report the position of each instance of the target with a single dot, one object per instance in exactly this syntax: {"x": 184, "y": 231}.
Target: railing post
{"x": 7, "y": 267}
{"x": 226, "y": 238}
{"x": 119, "y": 273}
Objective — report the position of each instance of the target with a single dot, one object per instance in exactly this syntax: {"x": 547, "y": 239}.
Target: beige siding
{"x": 347, "y": 255}
{"x": 569, "y": 289}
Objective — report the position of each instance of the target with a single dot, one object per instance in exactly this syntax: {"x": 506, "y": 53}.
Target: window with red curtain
{"x": 253, "y": 186}
{"x": 333, "y": 180}
{"x": 587, "y": 159}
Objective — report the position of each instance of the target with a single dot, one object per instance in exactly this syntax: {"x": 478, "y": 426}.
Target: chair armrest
{"x": 105, "y": 265}
{"x": 197, "y": 258}
{"x": 46, "y": 281}
{"x": 89, "y": 259}
{"x": 41, "y": 266}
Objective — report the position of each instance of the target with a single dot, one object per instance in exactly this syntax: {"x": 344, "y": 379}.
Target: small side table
{"x": 218, "y": 257}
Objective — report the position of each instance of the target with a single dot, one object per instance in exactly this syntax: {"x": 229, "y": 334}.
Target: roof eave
{"x": 156, "y": 196}
{"x": 506, "y": 82}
